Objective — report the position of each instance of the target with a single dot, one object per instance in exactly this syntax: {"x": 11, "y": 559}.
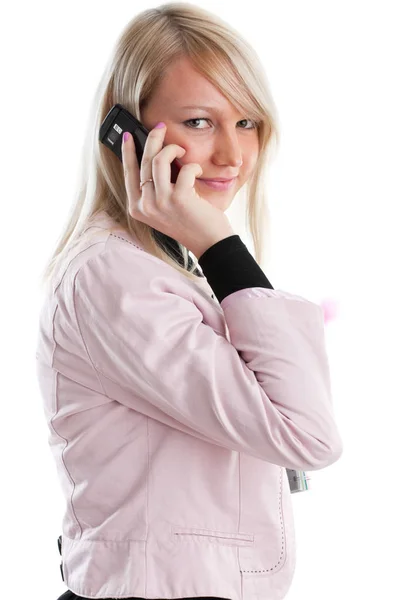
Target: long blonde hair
{"x": 148, "y": 45}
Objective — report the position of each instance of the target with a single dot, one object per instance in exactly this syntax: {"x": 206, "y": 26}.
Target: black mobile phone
{"x": 118, "y": 120}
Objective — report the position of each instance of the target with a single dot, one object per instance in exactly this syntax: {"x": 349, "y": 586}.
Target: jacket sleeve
{"x": 266, "y": 392}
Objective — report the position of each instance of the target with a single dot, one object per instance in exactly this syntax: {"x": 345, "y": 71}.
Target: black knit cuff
{"x": 229, "y": 267}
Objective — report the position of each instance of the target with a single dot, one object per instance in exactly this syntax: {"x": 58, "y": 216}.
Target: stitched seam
{"x": 124, "y": 240}
{"x": 57, "y": 433}
{"x": 282, "y": 534}
{"x": 62, "y": 275}
{"x": 132, "y": 244}
{"x": 83, "y": 341}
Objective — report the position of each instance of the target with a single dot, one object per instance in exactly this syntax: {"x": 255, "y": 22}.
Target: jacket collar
{"x": 102, "y": 220}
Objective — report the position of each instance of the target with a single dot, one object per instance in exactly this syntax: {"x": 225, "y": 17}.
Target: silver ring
{"x": 145, "y": 181}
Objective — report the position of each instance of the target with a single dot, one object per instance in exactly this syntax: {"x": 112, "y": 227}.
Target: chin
{"x": 219, "y": 199}
{"x": 220, "y": 203}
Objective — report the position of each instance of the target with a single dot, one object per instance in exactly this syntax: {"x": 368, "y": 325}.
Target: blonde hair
{"x": 148, "y": 45}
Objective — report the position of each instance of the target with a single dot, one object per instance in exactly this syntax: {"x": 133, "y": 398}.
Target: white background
{"x": 334, "y": 195}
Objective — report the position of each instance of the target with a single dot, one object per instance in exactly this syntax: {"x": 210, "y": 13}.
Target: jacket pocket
{"x": 225, "y": 538}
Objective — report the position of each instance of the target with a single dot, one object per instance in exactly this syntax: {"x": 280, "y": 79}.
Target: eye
{"x": 186, "y": 123}
{"x": 191, "y": 120}
{"x": 254, "y": 124}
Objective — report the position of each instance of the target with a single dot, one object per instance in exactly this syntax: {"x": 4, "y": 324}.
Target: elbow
{"x": 336, "y": 449}
{"x": 331, "y": 453}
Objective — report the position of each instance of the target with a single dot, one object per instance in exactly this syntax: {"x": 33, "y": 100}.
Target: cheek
{"x": 252, "y": 161}
{"x": 194, "y": 156}
{"x": 192, "y": 148}
{"x": 195, "y": 153}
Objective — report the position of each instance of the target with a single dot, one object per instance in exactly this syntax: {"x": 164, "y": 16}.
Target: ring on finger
{"x": 145, "y": 181}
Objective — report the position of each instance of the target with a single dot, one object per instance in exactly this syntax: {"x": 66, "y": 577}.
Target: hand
{"x": 174, "y": 209}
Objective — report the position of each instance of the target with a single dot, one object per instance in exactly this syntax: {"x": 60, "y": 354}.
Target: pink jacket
{"x": 172, "y": 419}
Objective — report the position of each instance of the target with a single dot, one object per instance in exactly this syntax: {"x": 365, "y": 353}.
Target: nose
{"x": 228, "y": 150}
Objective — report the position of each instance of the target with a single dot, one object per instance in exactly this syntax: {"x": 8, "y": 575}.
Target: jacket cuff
{"x": 229, "y": 267}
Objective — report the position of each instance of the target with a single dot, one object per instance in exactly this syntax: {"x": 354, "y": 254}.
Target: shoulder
{"x": 117, "y": 265}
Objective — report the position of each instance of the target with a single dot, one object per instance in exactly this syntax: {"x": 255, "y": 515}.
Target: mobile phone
{"x": 118, "y": 120}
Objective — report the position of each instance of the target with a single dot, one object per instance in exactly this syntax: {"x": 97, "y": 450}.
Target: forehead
{"x": 182, "y": 85}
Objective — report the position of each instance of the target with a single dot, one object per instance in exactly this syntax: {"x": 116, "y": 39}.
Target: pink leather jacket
{"x": 172, "y": 419}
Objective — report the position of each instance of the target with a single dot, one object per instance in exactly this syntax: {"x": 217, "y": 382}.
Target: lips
{"x": 217, "y": 179}
{"x": 219, "y": 185}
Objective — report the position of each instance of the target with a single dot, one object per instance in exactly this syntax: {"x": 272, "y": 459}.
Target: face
{"x": 220, "y": 139}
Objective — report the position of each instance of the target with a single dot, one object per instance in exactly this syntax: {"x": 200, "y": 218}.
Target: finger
{"x": 152, "y": 147}
{"x": 130, "y": 165}
{"x": 162, "y": 169}
{"x": 187, "y": 178}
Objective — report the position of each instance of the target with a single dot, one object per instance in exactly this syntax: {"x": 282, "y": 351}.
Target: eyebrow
{"x": 209, "y": 108}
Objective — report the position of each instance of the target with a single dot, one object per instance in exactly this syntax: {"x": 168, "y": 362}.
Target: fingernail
{"x": 159, "y": 125}
{"x": 126, "y": 136}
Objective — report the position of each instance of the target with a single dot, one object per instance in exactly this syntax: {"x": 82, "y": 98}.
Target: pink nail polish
{"x": 159, "y": 125}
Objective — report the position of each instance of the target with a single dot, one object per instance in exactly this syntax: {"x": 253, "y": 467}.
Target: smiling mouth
{"x": 219, "y": 179}
{"x": 219, "y": 185}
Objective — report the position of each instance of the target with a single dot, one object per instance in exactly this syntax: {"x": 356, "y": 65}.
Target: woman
{"x": 177, "y": 391}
